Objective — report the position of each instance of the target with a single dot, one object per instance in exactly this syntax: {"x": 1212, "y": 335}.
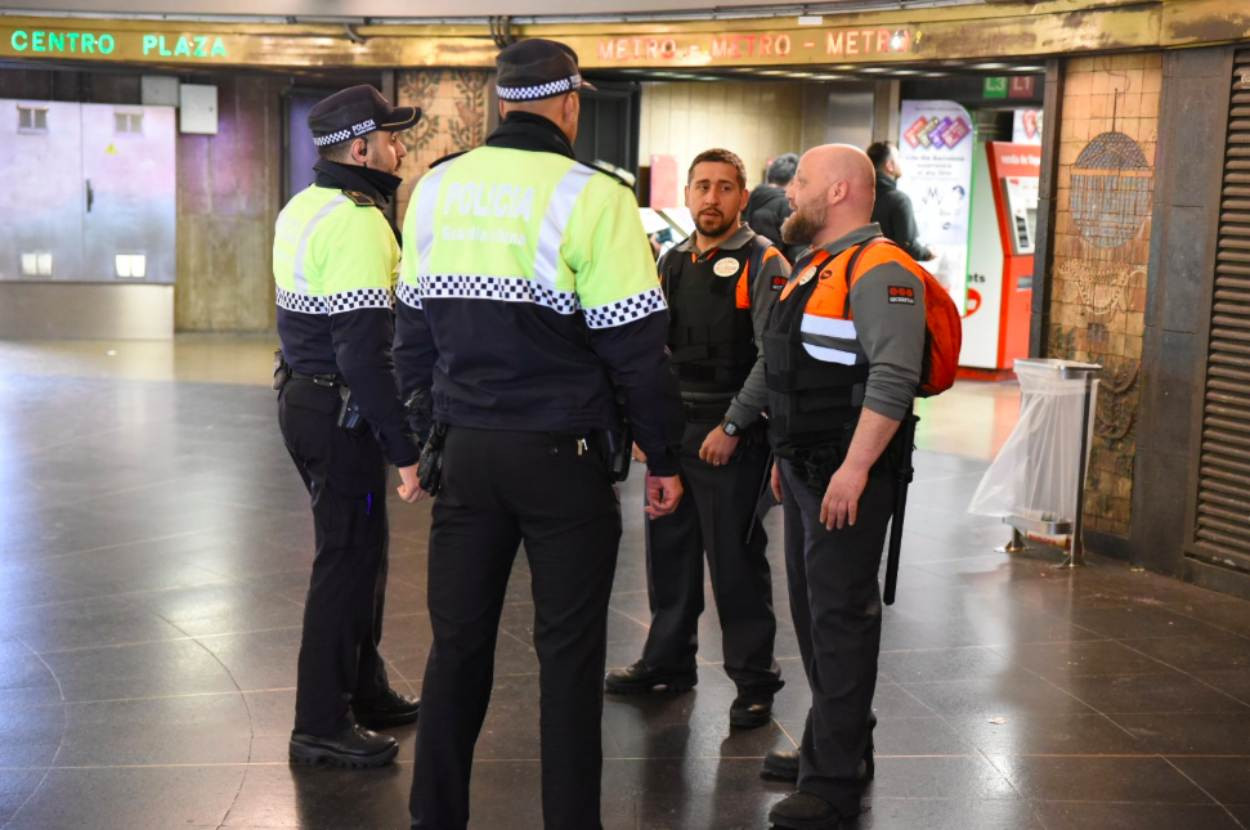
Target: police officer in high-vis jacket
{"x": 844, "y": 350}
{"x": 528, "y": 302}
{"x": 720, "y": 284}
{"x": 335, "y": 260}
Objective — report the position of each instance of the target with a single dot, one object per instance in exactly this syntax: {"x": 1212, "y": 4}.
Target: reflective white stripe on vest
{"x": 427, "y": 201}
{"x": 827, "y": 355}
{"x": 829, "y": 327}
{"x": 301, "y": 281}
{"x": 556, "y": 219}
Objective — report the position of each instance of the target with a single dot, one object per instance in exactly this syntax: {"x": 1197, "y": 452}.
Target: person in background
{"x": 893, "y": 211}
{"x": 768, "y": 207}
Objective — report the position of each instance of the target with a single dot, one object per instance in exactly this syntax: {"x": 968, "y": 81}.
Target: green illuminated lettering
{"x": 37, "y": 42}
{"x": 88, "y": 43}
{"x": 73, "y": 41}
{"x": 219, "y": 49}
{"x": 164, "y": 52}
{"x": 19, "y": 40}
{"x": 200, "y": 43}
{"x": 149, "y": 43}
{"x": 107, "y": 44}
{"x": 56, "y": 41}
{"x": 183, "y": 47}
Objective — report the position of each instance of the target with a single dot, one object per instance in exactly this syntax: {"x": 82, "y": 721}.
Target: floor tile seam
{"x": 60, "y": 744}
{"x": 1123, "y": 803}
{"x": 151, "y": 698}
{"x": 251, "y": 722}
{"x": 37, "y": 451}
{"x": 1189, "y": 674}
{"x": 180, "y": 639}
{"x": 1016, "y": 785}
{"x": 129, "y": 542}
{"x": 124, "y": 594}
{"x": 630, "y": 617}
{"x": 1093, "y": 709}
{"x": 1204, "y": 791}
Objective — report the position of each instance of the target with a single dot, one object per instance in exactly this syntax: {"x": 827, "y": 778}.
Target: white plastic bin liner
{"x": 1035, "y": 473}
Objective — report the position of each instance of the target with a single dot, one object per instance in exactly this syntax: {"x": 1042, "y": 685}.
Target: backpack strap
{"x": 853, "y": 263}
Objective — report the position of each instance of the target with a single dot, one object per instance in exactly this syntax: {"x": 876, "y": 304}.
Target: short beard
{"x": 801, "y": 227}
{"x": 712, "y": 233}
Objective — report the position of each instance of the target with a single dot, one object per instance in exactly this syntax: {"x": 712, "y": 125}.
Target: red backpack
{"x": 943, "y": 328}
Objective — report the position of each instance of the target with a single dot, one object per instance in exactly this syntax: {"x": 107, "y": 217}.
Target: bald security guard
{"x": 844, "y": 350}
{"x": 335, "y": 258}
{"x": 528, "y": 300}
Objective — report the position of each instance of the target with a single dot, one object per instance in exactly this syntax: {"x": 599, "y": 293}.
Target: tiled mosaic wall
{"x": 454, "y": 104}
{"x": 1108, "y": 134}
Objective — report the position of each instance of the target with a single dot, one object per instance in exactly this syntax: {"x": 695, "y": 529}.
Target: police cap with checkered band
{"x": 355, "y": 112}
{"x": 534, "y": 69}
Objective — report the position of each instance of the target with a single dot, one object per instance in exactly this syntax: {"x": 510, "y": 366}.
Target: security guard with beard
{"x": 844, "y": 352}
{"x": 528, "y": 302}
{"x": 720, "y": 284}
{"x": 335, "y": 258}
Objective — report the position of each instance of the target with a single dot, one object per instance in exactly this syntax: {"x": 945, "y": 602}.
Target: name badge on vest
{"x": 726, "y": 267}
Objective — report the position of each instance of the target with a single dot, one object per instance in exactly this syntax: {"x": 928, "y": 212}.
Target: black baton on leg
{"x": 903, "y": 469}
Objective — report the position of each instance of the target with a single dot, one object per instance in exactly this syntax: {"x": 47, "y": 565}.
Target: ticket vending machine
{"x": 1000, "y": 254}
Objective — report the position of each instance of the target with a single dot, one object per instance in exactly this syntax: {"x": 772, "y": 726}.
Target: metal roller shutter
{"x": 1222, "y": 535}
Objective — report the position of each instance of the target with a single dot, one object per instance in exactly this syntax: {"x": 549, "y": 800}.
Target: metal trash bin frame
{"x": 1072, "y": 527}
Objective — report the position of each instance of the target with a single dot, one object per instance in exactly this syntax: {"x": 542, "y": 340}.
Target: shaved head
{"x": 832, "y": 194}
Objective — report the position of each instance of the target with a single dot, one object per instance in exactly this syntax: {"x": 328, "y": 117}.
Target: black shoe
{"x": 751, "y": 711}
{"x": 354, "y": 748}
{"x": 804, "y": 811}
{"x": 388, "y": 710}
{"x": 638, "y": 679}
{"x": 783, "y": 765}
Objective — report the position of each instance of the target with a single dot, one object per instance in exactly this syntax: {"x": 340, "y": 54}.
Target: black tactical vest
{"x": 810, "y": 402}
{"x": 712, "y": 340}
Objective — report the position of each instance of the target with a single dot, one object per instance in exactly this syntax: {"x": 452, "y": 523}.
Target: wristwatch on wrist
{"x": 731, "y": 429}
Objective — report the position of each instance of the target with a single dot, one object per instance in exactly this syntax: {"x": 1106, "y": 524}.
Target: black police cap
{"x": 533, "y": 69}
{"x": 355, "y": 112}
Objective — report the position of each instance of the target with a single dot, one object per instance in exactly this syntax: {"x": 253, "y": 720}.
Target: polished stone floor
{"x": 154, "y": 547}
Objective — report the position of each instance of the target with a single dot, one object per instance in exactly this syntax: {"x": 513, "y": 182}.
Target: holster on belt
{"x": 430, "y": 464}
{"x": 617, "y": 444}
{"x": 281, "y": 370}
{"x": 350, "y": 418}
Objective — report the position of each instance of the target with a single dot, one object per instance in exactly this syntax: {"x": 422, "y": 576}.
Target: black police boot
{"x": 388, "y": 710}
{"x": 354, "y": 748}
{"x": 751, "y": 711}
{"x": 783, "y": 765}
{"x": 640, "y": 679}
{"x": 804, "y": 811}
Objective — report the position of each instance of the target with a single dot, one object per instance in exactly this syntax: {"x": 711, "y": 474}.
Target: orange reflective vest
{"x": 816, "y": 366}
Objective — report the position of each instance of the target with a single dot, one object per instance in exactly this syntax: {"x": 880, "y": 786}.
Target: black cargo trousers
{"x": 345, "y": 474}
{"x": 835, "y": 601}
{"x": 715, "y": 518}
{"x": 553, "y": 493}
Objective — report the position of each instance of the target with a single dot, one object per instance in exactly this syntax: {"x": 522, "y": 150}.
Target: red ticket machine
{"x": 1001, "y": 236}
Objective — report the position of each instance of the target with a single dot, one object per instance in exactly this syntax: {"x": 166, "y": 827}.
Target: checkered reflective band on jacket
{"x": 331, "y": 255}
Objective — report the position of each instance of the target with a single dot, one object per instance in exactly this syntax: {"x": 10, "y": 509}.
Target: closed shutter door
{"x": 1223, "y": 514}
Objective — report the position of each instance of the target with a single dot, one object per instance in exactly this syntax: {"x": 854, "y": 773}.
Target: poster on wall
{"x": 935, "y": 149}
{"x": 1027, "y": 127}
